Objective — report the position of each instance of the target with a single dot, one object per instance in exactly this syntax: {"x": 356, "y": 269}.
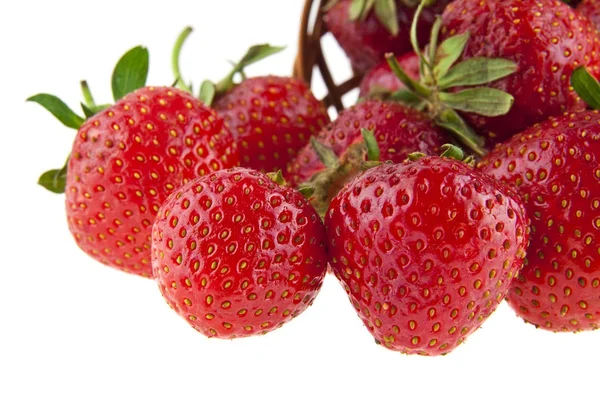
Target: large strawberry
{"x": 556, "y": 167}
{"x": 398, "y": 129}
{"x": 426, "y": 251}
{"x": 545, "y": 38}
{"x": 127, "y": 158}
{"x": 271, "y": 117}
{"x": 236, "y": 254}
{"x": 382, "y": 80}
{"x": 367, "y": 30}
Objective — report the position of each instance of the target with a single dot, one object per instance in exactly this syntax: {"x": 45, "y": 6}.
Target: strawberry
{"x": 382, "y": 79}
{"x": 556, "y": 167}
{"x": 127, "y": 158}
{"x": 399, "y": 130}
{"x": 271, "y": 117}
{"x": 545, "y": 38}
{"x": 591, "y": 10}
{"x": 236, "y": 254}
{"x": 426, "y": 250}
{"x": 367, "y": 30}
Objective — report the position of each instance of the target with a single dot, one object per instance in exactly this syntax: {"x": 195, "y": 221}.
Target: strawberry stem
{"x": 88, "y": 99}
{"x": 180, "y": 83}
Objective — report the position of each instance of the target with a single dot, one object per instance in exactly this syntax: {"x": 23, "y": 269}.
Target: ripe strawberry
{"x": 399, "y": 130}
{"x": 545, "y": 38}
{"x": 591, "y": 10}
{"x": 556, "y": 167}
{"x": 367, "y": 35}
{"x": 382, "y": 79}
{"x": 127, "y": 159}
{"x": 236, "y": 254}
{"x": 272, "y": 118}
{"x": 426, "y": 251}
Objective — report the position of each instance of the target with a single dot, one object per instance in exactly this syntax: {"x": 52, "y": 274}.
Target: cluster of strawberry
{"x": 238, "y": 200}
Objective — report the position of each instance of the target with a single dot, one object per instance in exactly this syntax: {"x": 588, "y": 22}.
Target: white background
{"x": 73, "y": 329}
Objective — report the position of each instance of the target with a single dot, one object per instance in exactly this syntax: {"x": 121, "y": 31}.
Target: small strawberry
{"x": 236, "y": 254}
{"x": 545, "y": 38}
{"x": 591, "y": 10}
{"x": 556, "y": 167}
{"x": 382, "y": 79}
{"x": 128, "y": 157}
{"x": 426, "y": 250}
{"x": 271, "y": 117}
{"x": 367, "y": 30}
{"x": 399, "y": 131}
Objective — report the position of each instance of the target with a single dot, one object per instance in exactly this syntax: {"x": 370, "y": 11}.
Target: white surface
{"x": 73, "y": 329}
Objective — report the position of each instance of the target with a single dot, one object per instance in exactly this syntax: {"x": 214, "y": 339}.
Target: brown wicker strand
{"x": 310, "y": 54}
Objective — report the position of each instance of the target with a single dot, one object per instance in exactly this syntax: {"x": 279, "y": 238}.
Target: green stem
{"x": 175, "y": 59}
{"x": 88, "y": 99}
{"x": 410, "y": 83}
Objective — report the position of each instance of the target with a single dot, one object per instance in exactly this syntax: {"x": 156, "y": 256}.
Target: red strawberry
{"x": 556, "y": 167}
{"x": 545, "y": 38}
{"x": 426, "y": 251}
{"x": 272, "y": 118}
{"x": 399, "y": 130}
{"x": 591, "y": 10}
{"x": 127, "y": 159}
{"x": 382, "y": 78}
{"x": 236, "y": 254}
{"x": 375, "y": 30}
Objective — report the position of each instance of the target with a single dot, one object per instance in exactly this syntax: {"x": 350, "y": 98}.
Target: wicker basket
{"x": 310, "y": 54}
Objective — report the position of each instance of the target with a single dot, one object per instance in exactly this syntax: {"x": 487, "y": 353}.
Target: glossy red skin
{"x": 127, "y": 159}
{"x": 411, "y": 244}
{"x": 541, "y": 85}
{"x": 555, "y": 290}
{"x": 382, "y": 78}
{"x": 366, "y": 42}
{"x": 399, "y": 130}
{"x": 221, "y": 221}
{"x": 591, "y": 10}
{"x": 272, "y": 118}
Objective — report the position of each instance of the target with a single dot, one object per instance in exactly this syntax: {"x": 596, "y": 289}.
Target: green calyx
{"x": 129, "y": 74}
{"x": 447, "y": 151}
{"x": 586, "y": 86}
{"x": 385, "y": 11}
{"x": 209, "y": 90}
{"x": 440, "y": 74}
{"x": 324, "y": 185}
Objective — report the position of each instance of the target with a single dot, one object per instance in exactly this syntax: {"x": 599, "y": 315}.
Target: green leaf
{"x": 477, "y": 71}
{"x": 407, "y": 97}
{"x": 452, "y": 151}
{"x": 356, "y": 9}
{"x": 586, "y": 86}
{"x": 435, "y": 35}
{"x": 59, "y": 109}
{"x": 131, "y": 72}
{"x": 448, "y": 53}
{"x": 88, "y": 112}
{"x": 306, "y": 191}
{"x": 410, "y": 83}
{"x": 483, "y": 101}
{"x": 54, "y": 180}
{"x": 386, "y": 13}
{"x": 326, "y": 155}
{"x": 257, "y": 53}
{"x": 207, "y": 92}
{"x": 450, "y": 120}
{"x": 373, "y": 152}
